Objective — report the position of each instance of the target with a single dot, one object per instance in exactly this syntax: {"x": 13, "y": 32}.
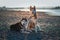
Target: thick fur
{"x": 16, "y": 27}
{"x": 31, "y": 25}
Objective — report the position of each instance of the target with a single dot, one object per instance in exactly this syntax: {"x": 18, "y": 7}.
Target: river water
{"x": 55, "y": 12}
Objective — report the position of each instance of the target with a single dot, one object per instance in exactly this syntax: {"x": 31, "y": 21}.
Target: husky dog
{"x": 18, "y": 26}
{"x": 24, "y": 23}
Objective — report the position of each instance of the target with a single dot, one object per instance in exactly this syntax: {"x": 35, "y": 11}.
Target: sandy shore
{"x": 8, "y": 18}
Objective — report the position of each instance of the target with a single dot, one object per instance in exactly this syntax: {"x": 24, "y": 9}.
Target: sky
{"x": 26, "y": 3}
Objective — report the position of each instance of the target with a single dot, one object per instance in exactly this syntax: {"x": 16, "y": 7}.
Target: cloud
{"x": 17, "y": 3}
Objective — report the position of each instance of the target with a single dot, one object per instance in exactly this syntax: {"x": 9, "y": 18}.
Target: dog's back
{"x": 16, "y": 27}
